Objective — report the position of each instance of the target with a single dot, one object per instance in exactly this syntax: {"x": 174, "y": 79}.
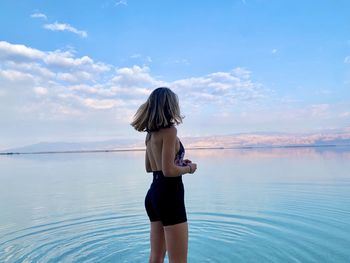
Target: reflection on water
{"x": 248, "y": 205}
{"x": 255, "y": 153}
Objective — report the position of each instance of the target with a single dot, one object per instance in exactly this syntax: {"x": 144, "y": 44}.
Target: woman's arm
{"x": 168, "y": 155}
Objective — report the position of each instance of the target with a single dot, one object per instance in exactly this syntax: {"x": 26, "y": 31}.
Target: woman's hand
{"x": 187, "y": 161}
{"x": 193, "y": 167}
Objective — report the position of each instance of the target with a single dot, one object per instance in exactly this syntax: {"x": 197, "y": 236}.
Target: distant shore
{"x": 190, "y": 148}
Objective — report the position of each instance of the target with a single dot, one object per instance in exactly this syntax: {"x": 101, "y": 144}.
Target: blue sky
{"x": 77, "y": 70}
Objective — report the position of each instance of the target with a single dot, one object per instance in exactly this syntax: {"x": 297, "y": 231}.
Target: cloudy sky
{"x": 78, "y": 70}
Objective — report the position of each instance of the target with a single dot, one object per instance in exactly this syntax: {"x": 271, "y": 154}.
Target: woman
{"x": 164, "y": 201}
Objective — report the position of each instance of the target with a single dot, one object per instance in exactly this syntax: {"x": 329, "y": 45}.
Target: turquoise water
{"x": 266, "y": 205}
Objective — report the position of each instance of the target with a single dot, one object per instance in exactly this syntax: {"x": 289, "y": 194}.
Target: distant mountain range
{"x": 76, "y": 146}
{"x": 242, "y": 140}
{"x": 272, "y": 140}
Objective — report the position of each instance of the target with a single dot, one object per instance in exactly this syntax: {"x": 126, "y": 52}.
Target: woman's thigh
{"x": 176, "y": 238}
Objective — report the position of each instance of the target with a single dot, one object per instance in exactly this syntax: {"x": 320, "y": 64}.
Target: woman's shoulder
{"x": 168, "y": 133}
{"x": 162, "y": 132}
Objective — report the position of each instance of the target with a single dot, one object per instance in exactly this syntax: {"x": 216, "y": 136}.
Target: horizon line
{"x": 189, "y": 148}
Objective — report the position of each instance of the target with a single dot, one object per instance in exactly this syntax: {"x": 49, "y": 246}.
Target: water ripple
{"x": 269, "y": 236}
{"x": 82, "y": 239}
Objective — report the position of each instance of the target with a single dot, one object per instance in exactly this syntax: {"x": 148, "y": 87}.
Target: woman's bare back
{"x": 154, "y": 146}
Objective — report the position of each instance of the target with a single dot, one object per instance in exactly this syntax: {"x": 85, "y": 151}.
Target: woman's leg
{"x": 176, "y": 237}
{"x": 158, "y": 248}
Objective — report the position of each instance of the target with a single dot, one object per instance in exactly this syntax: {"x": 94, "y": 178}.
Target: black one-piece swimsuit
{"x": 165, "y": 199}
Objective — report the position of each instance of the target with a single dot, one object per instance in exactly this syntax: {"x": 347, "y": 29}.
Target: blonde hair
{"x": 161, "y": 110}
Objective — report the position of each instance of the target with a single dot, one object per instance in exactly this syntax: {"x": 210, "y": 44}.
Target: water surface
{"x": 252, "y": 205}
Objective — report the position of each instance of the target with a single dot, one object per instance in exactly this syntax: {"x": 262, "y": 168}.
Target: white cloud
{"x": 65, "y": 27}
{"x": 35, "y": 79}
{"x": 17, "y": 52}
{"x": 66, "y": 60}
{"x": 146, "y": 60}
{"x": 59, "y": 85}
{"x": 347, "y": 59}
{"x": 319, "y": 110}
{"x": 32, "y": 68}
{"x": 135, "y": 77}
{"x": 345, "y": 114}
{"x": 38, "y": 15}
{"x": 121, "y": 2}
{"x": 81, "y": 83}
{"x": 78, "y": 76}
{"x": 241, "y": 72}
{"x": 40, "y": 90}
{"x": 221, "y": 88}
{"x": 136, "y": 92}
{"x": 16, "y": 76}
{"x": 274, "y": 51}
{"x": 102, "y": 104}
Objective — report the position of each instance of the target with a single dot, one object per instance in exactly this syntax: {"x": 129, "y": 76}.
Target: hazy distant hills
{"x": 76, "y": 146}
{"x": 222, "y": 141}
{"x": 272, "y": 140}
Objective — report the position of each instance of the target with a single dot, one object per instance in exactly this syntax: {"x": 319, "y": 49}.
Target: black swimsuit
{"x": 165, "y": 199}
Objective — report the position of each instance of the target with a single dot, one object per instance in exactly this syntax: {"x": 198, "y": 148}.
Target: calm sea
{"x": 252, "y": 205}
